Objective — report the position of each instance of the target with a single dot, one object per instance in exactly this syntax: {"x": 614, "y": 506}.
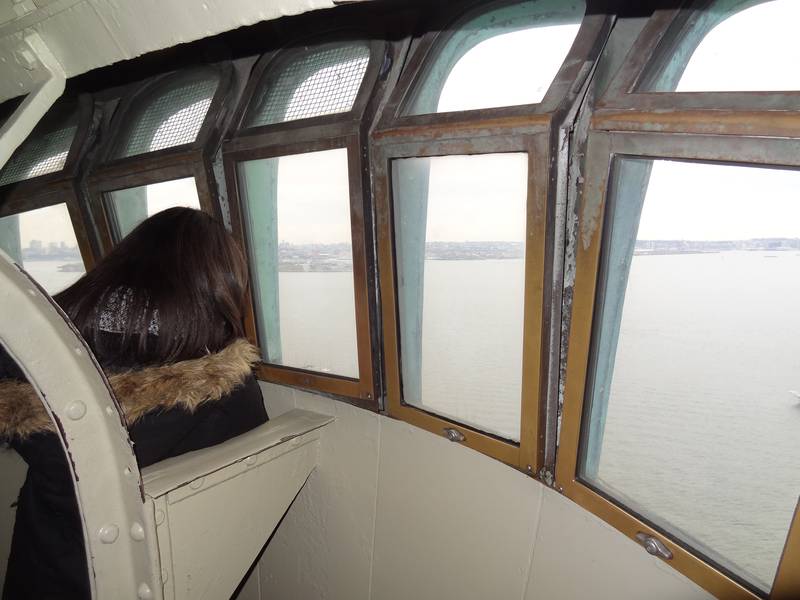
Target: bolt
{"x": 137, "y": 531}
{"x": 76, "y": 410}
{"x": 108, "y": 534}
{"x": 144, "y": 592}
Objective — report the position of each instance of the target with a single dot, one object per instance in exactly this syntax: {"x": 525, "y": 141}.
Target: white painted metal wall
{"x": 87, "y": 34}
{"x": 394, "y": 512}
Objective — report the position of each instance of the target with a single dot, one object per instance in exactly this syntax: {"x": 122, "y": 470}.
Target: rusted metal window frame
{"x": 59, "y": 187}
{"x": 749, "y": 128}
{"x": 738, "y": 113}
{"x": 535, "y": 129}
{"x": 107, "y": 174}
{"x": 340, "y": 130}
{"x": 603, "y": 149}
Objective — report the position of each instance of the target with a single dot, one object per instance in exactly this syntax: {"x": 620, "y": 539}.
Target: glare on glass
{"x": 754, "y": 49}
{"x": 297, "y": 216}
{"x": 131, "y": 206}
{"x": 44, "y": 243}
{"x": 504, "y": 57}
{"x": 695, "y": 408}
{"x": 459, "y": 224}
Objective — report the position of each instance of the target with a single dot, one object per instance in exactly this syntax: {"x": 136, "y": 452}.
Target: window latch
{"x": 454, "y": 435}
{"x": 654, "y": 546}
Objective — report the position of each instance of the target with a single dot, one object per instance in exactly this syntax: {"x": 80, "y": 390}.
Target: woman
{"x": 163, "y": 313}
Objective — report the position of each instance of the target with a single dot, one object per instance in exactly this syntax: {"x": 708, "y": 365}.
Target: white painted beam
{"x": 34, "y": 56}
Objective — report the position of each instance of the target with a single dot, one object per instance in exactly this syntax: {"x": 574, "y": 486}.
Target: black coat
{"x": 47, "y": 559}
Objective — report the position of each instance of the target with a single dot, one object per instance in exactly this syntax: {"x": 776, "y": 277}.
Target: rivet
{"x": 137, "y": 531}
{"x": 164, "y": 576}
{"x": 108, "y": 534}
{"x": 144, "y": 592}
{"x": 31, "y": 291}
{"x": 79, "y": 351}
{"x": 160, "y": 516}
{"x": 76, "y": 410}
{"x": 251, "y": 460}
{"x": 110, "y": 411}
{"x": 197, "y": 483}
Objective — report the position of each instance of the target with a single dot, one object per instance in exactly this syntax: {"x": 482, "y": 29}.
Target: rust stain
{"x": 720, "y": 122}
{"x": 484, "y": 126}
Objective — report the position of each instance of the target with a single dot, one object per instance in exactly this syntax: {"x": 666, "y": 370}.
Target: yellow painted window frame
{"x": 602, "y": 148}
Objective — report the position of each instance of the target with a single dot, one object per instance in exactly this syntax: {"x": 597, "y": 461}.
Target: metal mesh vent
{"x": 42, "y": 153}
{"x": 311, "y": 82}
{"x": 171, "y": 117}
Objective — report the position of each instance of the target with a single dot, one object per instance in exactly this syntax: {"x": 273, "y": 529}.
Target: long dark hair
{"x": 173, "y": 289}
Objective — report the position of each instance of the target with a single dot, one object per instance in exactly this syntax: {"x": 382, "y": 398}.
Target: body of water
{"x": 702, "y": 433}
{"x": 47, "y": 274}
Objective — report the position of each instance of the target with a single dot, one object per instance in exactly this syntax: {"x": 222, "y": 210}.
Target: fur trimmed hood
{"x": 186, "y": 384}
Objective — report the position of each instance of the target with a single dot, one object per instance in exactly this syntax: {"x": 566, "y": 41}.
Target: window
{"x": 733, "y": 45}
{"x": 129, "y": 207}
{"x": 679, "y": 392}
{"x": 46, "y": 149}
{"x": 299, "y": 234}
{"x": 460, "y": 252}
{"x": 697, "y": 356}
{"x": 483, "y": 63}
{"x": 43, "y": 242}
{"x": 466, "y": 219}
{"x": 171, "y": 115}
{"x": 159, "y": 150}
{"x": 301, "y": 209}
{"x": 310, "y": 82}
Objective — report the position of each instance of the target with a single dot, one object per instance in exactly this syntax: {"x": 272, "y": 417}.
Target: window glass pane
{"x": 695, "y": 415}
{"x": 45, "y": 151}
{"x": 503, "y": 57}
{"x": 301, "y": 259}
{"x": 171, "y": 115}
{"x": 310, "y": 82}
{"x": 734, "y": 46}
{"x": 44, "y": 243}
{"x": 129, "y": 207}
{"x": 460, "y": 251}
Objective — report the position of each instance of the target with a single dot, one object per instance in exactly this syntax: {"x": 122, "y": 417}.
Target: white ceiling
{"x": 86, "y": 34}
